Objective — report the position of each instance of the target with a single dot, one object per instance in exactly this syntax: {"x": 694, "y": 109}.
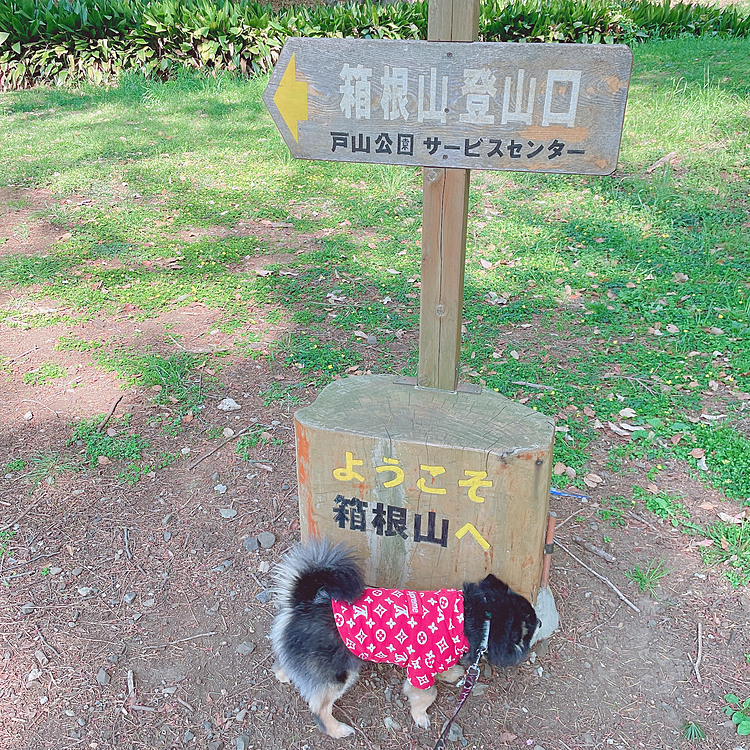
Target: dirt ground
{"x": 149, "y": 627}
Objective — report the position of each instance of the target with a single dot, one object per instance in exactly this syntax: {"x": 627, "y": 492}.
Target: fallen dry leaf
{"x": 559, "y": 468}
{"x": 653, "y": 489}
{"x": 697, "y": 453}
{"x": 506, "y": 737}
{"x": 485, "y": 263}
{"x": 617, "y": 430}
{"x": 588, "y": 411}
{"x": 592, "y": 480}
{"x": 672, "y": 157}
{"x": 627, "y": 413}
{"x": 675, "y": 438}
{"x": 704, "y": 543}
{"x": 672, "y": 328}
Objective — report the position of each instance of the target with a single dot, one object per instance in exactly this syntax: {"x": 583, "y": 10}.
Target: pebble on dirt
{"x": 251, "y": 544}
{"x": 266, "y": 539}
{"x": 228, "y": 404}
{"x": 221, "y": 488}
{"x": 129, "y": 598}
{"x": 28, "y": 608}
{"x": 245, "y": 648}
{"x": 102, "y": 677}
{"x": 228, "y": 512}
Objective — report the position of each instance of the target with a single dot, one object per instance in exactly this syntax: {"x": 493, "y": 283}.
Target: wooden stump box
{"x": 433, "y": 487}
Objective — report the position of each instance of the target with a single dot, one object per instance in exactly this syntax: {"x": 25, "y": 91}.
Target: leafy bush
{"x": 64, "y": 41}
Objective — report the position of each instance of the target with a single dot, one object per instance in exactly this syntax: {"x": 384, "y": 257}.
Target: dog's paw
{"x": 421, "y": 720}
{"x": 342, "y": 730}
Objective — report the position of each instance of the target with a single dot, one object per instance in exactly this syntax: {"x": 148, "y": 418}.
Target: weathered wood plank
{"x": 453, "y": 20}
{"x": 553, "y": 108}
{"x": 420, "y": 452}
{"x": 444, "y": 217}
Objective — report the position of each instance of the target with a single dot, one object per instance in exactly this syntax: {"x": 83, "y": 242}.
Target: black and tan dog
{"x": 328, "y": 623}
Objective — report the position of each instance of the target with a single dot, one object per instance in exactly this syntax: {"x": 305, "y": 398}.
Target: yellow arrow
{"x": 485, "y": 545}
{"x": 291, "y": 99}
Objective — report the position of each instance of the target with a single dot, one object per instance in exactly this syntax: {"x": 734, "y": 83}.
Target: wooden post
{"x": 444, "y": 217}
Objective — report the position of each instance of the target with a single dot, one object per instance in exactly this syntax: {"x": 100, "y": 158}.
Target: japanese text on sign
{"x": 482, "y": 101}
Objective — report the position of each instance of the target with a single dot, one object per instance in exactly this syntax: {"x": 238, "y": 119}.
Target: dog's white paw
{"x": 280, "y": 673}
{"x": 421, "y": 720}
{"x": 342, "y": 730}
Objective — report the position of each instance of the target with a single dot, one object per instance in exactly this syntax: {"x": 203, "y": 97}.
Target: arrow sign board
{"x": 519, "y": 107}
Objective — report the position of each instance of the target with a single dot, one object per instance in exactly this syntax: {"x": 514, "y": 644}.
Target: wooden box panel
{"x": 434, "y": 488}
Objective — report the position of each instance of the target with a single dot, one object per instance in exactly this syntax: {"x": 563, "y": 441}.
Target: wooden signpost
{"x": 437, "y": 483}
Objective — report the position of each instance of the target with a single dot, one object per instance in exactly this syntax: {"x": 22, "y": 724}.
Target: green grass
{"x": 121, "y": 447}
{"x": 648, "y": 578}
{"x": 619, "y": 293}
{"x": 175, "y": 379}
{"x": 5, "y": 537}
{"x": 253, "y": 439}
{"x": 17, "y": 464}
{"x": 44, "y": 373}
{"x": 48, "y": 467}
{"x": 693, "y": 732}
{"x": 76, "y": 344}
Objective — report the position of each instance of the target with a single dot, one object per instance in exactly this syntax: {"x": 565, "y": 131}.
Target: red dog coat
{"x": 420, "y": 630}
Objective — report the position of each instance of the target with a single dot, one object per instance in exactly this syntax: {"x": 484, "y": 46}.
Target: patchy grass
{"x": 44, "y": 373}
{"x": 620, "y": 305}
{"x": 648, "y": 578}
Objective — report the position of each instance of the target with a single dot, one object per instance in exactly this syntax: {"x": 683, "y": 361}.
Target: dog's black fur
{"x": 313, "y": 657}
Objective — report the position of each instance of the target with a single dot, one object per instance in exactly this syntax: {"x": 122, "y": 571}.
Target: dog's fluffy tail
{"x": 318, "y": 567}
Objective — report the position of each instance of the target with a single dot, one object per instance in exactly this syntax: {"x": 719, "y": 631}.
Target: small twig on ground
{"x": 18, "y": 518}
{"x": 569, "y": 517}
{"x": 177, "y": 343}
{"x": 16, "y": 358}
{"x": 533, "y": 385}
{"x": 593, "y": 548}
{"x": 33, "y": 401}
{"x": 218, "y": 447}
{"x": 42, "y": 639}
{"x": 181, "y": 640}
{"x": 640, "y": 518}
{"x": 638, "y": 381}
{"x": 600, "y": 577}
{"x": 100, "y": 427}
{"x": 696, "y": 664}
{"x": 186, "y": 704}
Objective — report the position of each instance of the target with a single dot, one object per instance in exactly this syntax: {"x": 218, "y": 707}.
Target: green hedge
{"x": 66, "y": 41}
